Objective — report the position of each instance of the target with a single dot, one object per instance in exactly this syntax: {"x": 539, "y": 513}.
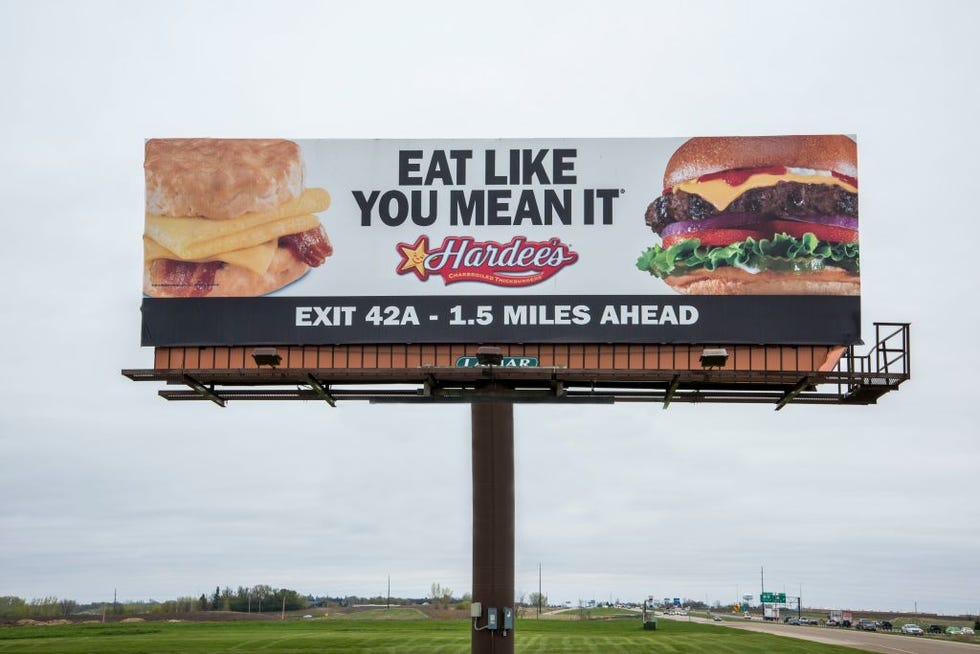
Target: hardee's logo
{"x": 462, "y": 259}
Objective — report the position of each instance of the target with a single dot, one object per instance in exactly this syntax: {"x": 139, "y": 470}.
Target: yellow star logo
{"x": 414, "y": 257}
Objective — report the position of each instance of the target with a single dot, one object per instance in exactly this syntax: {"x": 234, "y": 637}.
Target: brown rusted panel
{"x": 384, "y": 356}
{"x": 634, "y": 354}
{"x": 178, "y": 357}
{"x": 551, "y": 355}
{"x": 832, "y": 357}
{"x": 325, "y": 356}
{"x": 408, "y": 356}
{"x": 692, "y": 359}
{"x": 369, "y": 357}
{"x": 192, "y": 357}
{"x": 804, "y": 358}
{"x": 757, "y": 358}
{"x": 600, "y": 357}
{"x": 442, "y": 355}
{"x": 576, "y": 356}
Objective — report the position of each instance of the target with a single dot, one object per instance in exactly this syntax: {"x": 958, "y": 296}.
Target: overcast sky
{"x": 103, "y": 485}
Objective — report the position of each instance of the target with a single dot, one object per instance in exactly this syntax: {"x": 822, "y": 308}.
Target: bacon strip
{"x": 184, "y": 278}
{"x": 312, "y": 247}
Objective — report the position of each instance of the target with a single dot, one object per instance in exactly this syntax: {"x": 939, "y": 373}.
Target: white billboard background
{"x": 365, "y": 258}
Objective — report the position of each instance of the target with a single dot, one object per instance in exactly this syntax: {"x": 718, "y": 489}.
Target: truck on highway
{"x": 770, "y": 612}
{"x": 839, "y": 619}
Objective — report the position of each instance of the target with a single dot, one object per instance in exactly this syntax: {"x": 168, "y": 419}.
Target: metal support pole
{"x": 493, "y": 522}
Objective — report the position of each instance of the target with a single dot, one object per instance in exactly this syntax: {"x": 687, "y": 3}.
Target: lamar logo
{"x": 461, "y": 259}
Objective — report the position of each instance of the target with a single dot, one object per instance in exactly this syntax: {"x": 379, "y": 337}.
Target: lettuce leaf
{"x": 782, "y": 253}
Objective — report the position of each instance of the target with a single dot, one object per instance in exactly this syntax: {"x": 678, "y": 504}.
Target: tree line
{"x": 245, "y": 599}
{"x": 260, "y": 598}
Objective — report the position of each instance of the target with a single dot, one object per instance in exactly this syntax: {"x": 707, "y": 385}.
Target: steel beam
{"x": 493, "y": 522}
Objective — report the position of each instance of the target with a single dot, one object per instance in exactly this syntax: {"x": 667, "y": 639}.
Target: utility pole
{"x": 388, "y": 605}
{"x": 539, "y": 590}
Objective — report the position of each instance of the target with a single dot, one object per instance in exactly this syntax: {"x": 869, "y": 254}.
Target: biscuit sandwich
{"x": 228, "y": 218}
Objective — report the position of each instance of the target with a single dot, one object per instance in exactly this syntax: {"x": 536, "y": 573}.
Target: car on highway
{"x": 795, "y": 621}
{"x": 884, "y": 625}
{"x": 967, "y": 631}
{"x": 935, "y": 629}
{"x": 864, "y": 624}
{"x": 808, "y": 621}
{"x": 953, "y": 630}
{"x": 912, "y": 629}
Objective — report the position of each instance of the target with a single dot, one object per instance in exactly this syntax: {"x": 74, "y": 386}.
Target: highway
{"x": 885, "y": 643}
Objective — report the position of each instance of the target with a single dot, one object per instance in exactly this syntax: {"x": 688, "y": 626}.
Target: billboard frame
{"x": 854, "y": 379}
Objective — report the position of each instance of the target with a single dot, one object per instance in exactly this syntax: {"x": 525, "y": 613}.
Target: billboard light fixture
{"x": 714, "y": 357}
{"x": 489, "y": 356}
{"x": 266, "y": 356}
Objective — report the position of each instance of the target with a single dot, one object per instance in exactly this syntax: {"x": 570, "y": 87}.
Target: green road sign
{"x": 772, "y": 598}
{"x": 508, "y": 362}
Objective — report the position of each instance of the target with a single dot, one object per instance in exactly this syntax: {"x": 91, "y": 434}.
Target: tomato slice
{"x": 715, "y": 237}
{"x": 828, "y": 233}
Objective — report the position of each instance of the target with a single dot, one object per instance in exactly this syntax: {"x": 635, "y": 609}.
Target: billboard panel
{"x": 686, "y": 240}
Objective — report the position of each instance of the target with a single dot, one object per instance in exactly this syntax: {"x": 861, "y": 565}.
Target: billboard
{"x": 675, "y": 240}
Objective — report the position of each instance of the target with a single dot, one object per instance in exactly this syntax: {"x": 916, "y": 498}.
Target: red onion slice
{"x": 751, "y": 221}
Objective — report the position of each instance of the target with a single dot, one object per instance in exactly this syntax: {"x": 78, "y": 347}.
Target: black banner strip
{"x": 763, "y": 320}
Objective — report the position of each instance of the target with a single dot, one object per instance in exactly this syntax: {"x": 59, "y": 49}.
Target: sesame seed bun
{"x": 704, "y": 155}
{"x": 735, "y": 281}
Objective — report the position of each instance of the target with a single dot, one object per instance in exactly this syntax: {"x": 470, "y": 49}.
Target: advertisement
{"x": 749, "y": 239}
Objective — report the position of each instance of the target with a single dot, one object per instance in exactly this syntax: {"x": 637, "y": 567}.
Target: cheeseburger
{"x": 765, "y": 215}
{"x": 228, "y": 218}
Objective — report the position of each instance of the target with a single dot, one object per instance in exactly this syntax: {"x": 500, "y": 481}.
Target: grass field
{"x": 396, "y": 636}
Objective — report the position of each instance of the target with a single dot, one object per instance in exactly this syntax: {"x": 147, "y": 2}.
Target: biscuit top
{"x": 220, "y": 178}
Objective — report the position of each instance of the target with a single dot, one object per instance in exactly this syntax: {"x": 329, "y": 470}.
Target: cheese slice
{"x": 721, "y": 194}
{"x": 257, "y": 259}
{"x": 199, "y": 239}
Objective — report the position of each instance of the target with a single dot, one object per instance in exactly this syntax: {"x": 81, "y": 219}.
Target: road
{"x": 894, "y": 643}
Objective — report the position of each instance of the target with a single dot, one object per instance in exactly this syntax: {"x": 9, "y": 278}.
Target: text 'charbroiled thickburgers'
{"x": 759, "y": 215}
{"x": 228, "y": 218}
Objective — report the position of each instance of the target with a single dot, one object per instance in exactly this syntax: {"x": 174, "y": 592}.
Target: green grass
{"x": 397, "y": 613}
{"x": 398, "y": 636}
